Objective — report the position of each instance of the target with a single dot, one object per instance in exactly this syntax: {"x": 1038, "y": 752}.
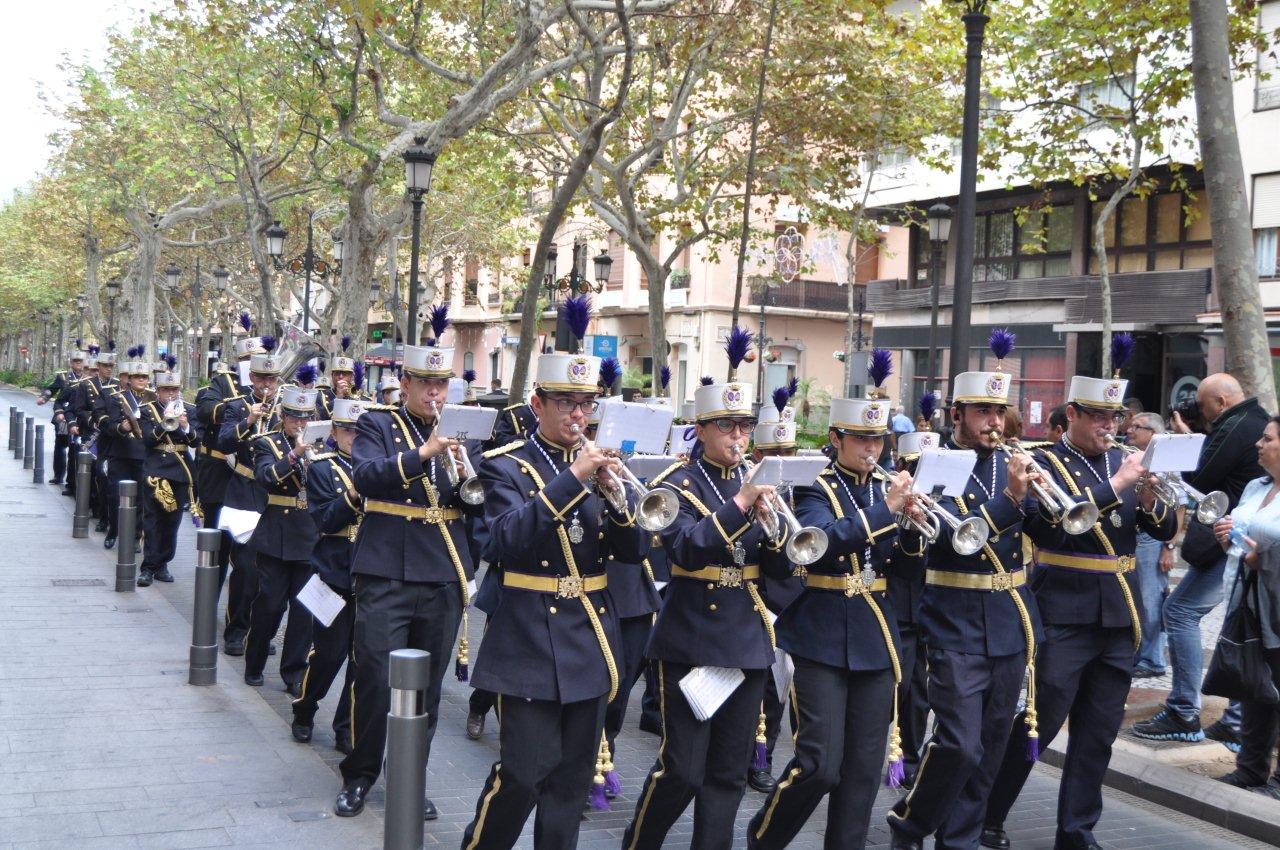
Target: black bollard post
{"x": 29, "y": 444}
{"x": 37, "y": 470}
{"x": 127, "y": 545}
{"x": 13, "y": 427}
{"x": 84, "y": 481}
{"x": 203, "y": 666}
{"x": 408, "y": 673}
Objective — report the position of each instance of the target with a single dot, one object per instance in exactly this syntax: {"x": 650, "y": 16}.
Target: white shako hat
{"x": 342, "y": 362}
{"x": 268, "y": 362}
{"x": 910, "y": 445}
{"x": 347, "y": 410}
{"x": 561, "y": 372}
{"x": 732, "y": 398}
{"x": 108, "y": 357}
{"x": 430, "y": 360}
{"x": 1104, "y": 393}
{"x": 866, "y": 417}
{"x": 322, "y": 377}
{"x": 168, "y": 379}
{"x": 777, "y": 426}
{"x": 159, "y": 366}
{"x": 389, "y": 381}
{"x": 135, "y": 365}
{"x": 296, "y": 401}
{"x": 987, "y": 387}
{"x": 76, "y": 354}
{"x": 250, "y": 345}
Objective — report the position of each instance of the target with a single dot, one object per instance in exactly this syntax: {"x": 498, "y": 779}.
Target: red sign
{"x": 23, "y": 349}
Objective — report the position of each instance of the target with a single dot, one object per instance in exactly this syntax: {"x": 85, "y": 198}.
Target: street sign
{"x": 601, "y": 345}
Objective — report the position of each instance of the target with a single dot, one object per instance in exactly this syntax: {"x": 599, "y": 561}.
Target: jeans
{"x": 1199, "y": 592}
{"x": 1155, "y": 585}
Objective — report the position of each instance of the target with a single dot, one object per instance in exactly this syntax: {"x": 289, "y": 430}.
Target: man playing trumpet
{"x": 168, "y": 475}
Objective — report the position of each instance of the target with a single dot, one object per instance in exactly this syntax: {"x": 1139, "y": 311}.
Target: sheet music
{"x": 457, "y": 391}
{"x": 788, "y": 471}
{"x": 243, "y": 368}
{"x": 320, "y": 600}
{"x": 238, "y": 523}
{"x": 949, "y": 468}
{"x": 783, "y": 670}
{"x": 706, "y": 688}
{"x": 1173, "y": 452}
{"x": 645, "y": 467}
{"x": 634, "y": 428}
{"x": 317, "y": 432}
{"x": 465, "y": 422}
{"x": 682, "y": 439}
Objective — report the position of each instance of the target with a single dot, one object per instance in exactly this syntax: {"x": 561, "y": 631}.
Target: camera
{"x": 1189, "y": 410}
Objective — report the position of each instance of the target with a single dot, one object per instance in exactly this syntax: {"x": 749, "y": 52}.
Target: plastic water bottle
{"x": 1239, "y": 547}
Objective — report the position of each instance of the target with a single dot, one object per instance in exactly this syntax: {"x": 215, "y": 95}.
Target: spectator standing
{"x": 1155, "y": 560}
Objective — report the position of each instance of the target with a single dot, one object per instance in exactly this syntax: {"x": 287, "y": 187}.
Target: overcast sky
{"x": 36, "y": 37}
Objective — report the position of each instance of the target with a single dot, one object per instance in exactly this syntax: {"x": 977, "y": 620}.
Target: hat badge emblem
{"x": 578, "y": 370}
{"x": 788, "y": 414}
{"x": 780, "y": 433}
{"x": 996, "y": 386}
{"x": 435, "y": 359}
{"x": 734, "y": 397}
{"x": 1112, "y": 393}
{"x": 872, "y": 414}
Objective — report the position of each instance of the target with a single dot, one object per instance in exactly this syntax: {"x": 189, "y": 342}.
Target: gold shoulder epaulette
{"x": 828, "y": 471}
{"x": 324, "y": 456}
{"x": 501, "y": 450}
{"x": 381, "y": 407}
{"x": 661, "y": 476}
{"x": 1035, "y": 444}
{"x": 513, "y": 406}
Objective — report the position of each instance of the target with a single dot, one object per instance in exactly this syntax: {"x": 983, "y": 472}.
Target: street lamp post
{"x": 939, "y": 233}
{"x": 113, "y": 292}
{"x": 418, "y": 165}
{"x": 975, "y": 23}
{"x": 575, "y": 282}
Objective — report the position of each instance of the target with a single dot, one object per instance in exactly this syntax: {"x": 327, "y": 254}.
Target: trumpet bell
{"x": 472, "y": 491}
{"x": 806, "y": 546}
{"x": 1080, "y": 517}
{"x": 970, "y": 536}
{"x": 1212, "y": 507}
{"x": 657, "y": 509}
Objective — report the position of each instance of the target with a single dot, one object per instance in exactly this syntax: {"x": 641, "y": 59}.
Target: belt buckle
{"x": 853, "y": 584}
{"x": 1125, "y": 563}
{"x": 730, "y": 577}
{"x": 302, "y": 499}
{"x": 568, "y": 586}
{"x": 432, "y": 515}
{"x": 1002, "y": 581}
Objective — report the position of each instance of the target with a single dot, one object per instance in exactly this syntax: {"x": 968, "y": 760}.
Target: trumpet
{"x": 1170, "y": 488}
{"x": 655, "y": 508}
{"x": 1075, "y": 517}
{"x": 173, "y": 412}
{"x": 968, "y": 535}
{"x": 466, "y": 483}
{"x": 805, "y": 544}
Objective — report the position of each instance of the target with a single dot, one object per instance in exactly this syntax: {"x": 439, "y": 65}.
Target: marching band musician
{"x": 1086, "y": 589}
{"x": 712, "y": 616}
{"x": 775, "y": 436}
{"x": 118, "y": 411}
{"x": 841, "y": 633}
{"x": 282, "y": 543}
{"x": 168, "y": 479}
{"x": 243, "y": 418}
{"x": 551, "y": 648}
{"x": 411, "y": 563}
{"x": 389, "y": 389}
{"x": 979, "y": 624}
{"x": 343, "y": 376}
{"x": 515, "y": 422}
{"x": 335, "y": 506}
{"x": 87, "y": 407}
{"x": 61, "y": 389}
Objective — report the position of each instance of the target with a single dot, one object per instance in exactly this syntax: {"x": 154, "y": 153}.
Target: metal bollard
{"x": 127, "y": 542}
{"x": 29, "y": 444}
{"x": 406, "y": 771}
{"x": 37, "y": 470}
{"x": 13, "y": 427}
{"x": 203, "y": 664}
{"x": 84, "y": 482}
{"x": 19, "y": 447}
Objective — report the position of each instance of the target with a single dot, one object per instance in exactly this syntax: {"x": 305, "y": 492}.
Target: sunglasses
{"x": 727, "y": 426}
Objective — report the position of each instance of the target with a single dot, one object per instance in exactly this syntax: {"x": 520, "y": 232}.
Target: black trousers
{"x": 650, "y": 701}
{"x": 60, "y": 444}
{"x": 913, "y": 697}
{"x": 974, "y": 700}
{"x": 481, "y": 701}
{"x": 1259, "y": 729}
{"x": 241, "y": 590}
{"x": 279, "y": 582}
{"x": 392, "y": 615}
{"x": 160, "y": 527}
{"x": 99, "y": 496}
{"x": 1082, "y": 674}
{"x": 698, "y": 761}
{"x": 635, "y": 635}
{"x": 840, "y": 747}
{"x": 547, "y": 758}
{"x": 330, "y": 647}
{"x": 120, "y": 469}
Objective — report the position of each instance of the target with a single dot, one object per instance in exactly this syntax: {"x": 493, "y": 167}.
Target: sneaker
{"x": 1168, "y": 726}
{"x": 1271, "y": 789}
{"x": 1239, "y": 779}
{"x": 1146, "y": 673}
{"x": 1223, "y": 734}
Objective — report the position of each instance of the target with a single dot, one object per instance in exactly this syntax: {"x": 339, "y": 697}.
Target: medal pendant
{"x": 739, "y": 554}
{"x": 575, "y": 532}
{"x": 868, "y": 576}
{"x": 1115, "y": 519}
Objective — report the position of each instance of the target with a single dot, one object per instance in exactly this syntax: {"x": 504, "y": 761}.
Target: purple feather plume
{"x": 610, "y": 371}
{"x": 142, "y": 350}
{"x": 79, "y": 344}
{"x": 468, "y": 375}
{"x": 357, "y": 375}
{"x": 664, "y": 375}
{"x": 94, "y": 349}
{"x": 780, "y": 398}
{"x": 1122, "y": 346}
{"x": 306, "y": 374}
{"x": 111, "y": 345}
{"x": 429, "y": 342}
{"x": 345, "y": 342}
{"x": 131, "y": 352}
{"x": 737, "y": 344}
{"x": 1001, "y": 342}
{"x": 246, "y": 322}
{"x": 268, "y": 343}
{"x": 881, "y": 366}
{"x": 170, "y": 361}
{"x": 320, "y": 366}
{"x": 706, "y": 380}
{"x": 577, "y": 314}
{"x": 928, "y": 404}
{"x": 439, "y": 319}
{"x": 793, "y": 387}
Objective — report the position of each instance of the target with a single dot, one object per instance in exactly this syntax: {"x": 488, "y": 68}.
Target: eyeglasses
{"x": 1135, "y": 427}
{"x": 568, "y": 405}
{"x": 1101, "y": 416}
{"x": 727, "y": 426}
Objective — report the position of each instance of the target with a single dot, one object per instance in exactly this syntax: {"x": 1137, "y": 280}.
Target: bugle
{"x": 173, "y": 413}
{"x": 805, "y": 544}
{"x": 1075, "y": 517}
{"x": 467, "y": 483}
{"x": 1172, "y": 490}
{"x": 655, "y": 508}
{"x": 968, "y": 535}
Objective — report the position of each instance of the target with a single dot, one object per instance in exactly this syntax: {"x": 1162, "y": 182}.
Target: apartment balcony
{"x": 806, "y": 295}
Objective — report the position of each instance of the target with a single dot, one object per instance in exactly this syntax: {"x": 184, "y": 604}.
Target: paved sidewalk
{"x": 105, "y": 745}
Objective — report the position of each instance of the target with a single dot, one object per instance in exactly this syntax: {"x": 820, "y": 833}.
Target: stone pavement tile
{"x": 165, "y": 819}
{"x": 66, "y": 827}
{"x": 113, "y": 842}
{"x": 184, "y": 840}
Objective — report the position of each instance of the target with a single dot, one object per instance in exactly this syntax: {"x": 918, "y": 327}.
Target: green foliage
{"x": 19, "y": 378}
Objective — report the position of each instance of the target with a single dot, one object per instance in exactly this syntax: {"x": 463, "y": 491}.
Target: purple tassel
{"x": 896, "y": 774}
{"x": 1033, "y": 749}
{"x": 612, "y": 784}
{"x": 461, "y": 670}
{"x": 760, "y": 758}
{"x": 599, "y": 801}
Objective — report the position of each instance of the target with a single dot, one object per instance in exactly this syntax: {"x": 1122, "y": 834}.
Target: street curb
{"x": 1214, "y": 802}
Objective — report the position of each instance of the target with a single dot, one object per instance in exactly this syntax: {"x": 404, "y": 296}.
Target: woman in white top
{"x": 1258, "y": 516}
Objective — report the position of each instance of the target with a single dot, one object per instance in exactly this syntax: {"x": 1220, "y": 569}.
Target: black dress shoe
{"x": 293, "y": 689}
{"x": 67, "y": 492}
{"x": 144, "y": 578}
{"x": 475, "y": 725}
{"x": 429, "y": 811}
{"x": 994, "y": 837}
{"x": 301, "y": 732}
{"x": 163, "y": 574}
{"x": 253, "y": 679}
{"x": 100, "y": 526}
{"x": 350, "y": 800}
{"x": 653, "y": 727}
{"x": 271, "y": 649}
{"x": 57, "y": 482}
{"x": 761, "y": 780}
{"x": 109, "y": 543}
{"x": 901, "y": 842}
{"x": 233, "y": 647}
